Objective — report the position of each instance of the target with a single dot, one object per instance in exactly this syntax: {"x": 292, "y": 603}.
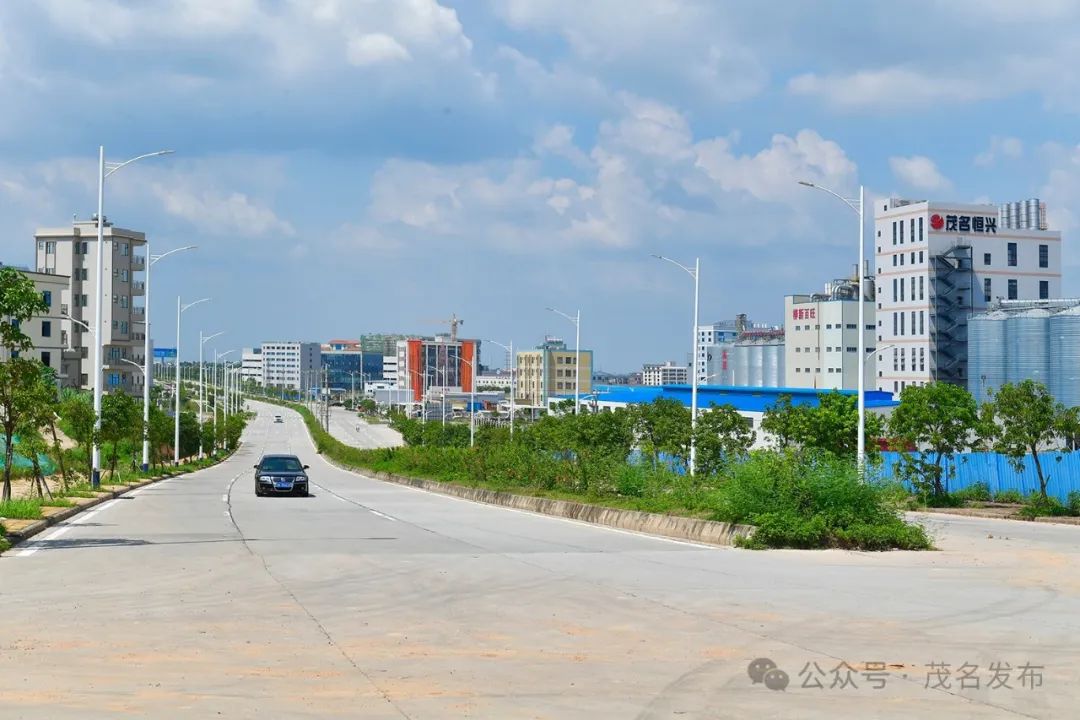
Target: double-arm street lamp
{"x": 857, "y": 204}
{"x": 224, "y": 393}
{"x": 105, "y": 169}
{"x": 180, "y": 309}
{"x": 472, "y": 395}
{"x": 146, "y": 370}
{"x": 576, "y": 319}
{"x": 202, "y": 383}
{"x": 513, "y": 379}
{"x": 695, "y": 273}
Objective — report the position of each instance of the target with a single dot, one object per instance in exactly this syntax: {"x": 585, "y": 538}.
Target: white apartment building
{"x": 390, "y": 369}
{"x": 292, "y": 365}
{"x": 251, "y": 366}
{"x": 72, "y": 252}
{"x": 667, "y": 373}
{"x": 46, "y": 333}
{"x": 937, "y": 263}
{"x": 822, "y": 338}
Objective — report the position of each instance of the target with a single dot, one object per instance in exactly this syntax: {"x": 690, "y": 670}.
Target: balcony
{"x": 138, "y": 287}
{"x": 138, "y": 314}
{"x": 138, "y": 263}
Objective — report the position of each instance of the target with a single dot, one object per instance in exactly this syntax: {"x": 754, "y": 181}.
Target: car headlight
{"x": 301, "y": 478}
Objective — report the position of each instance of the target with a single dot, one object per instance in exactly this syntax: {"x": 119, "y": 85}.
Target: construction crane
{"x": 453, "y": 322}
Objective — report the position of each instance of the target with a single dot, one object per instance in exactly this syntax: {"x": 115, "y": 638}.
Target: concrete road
{"x": 194, "y": 599}
{"x": 347, "y": 427}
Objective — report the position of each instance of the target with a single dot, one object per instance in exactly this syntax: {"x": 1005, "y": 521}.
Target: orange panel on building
{"x": 416, "y": 369}
{"x": 468, "y": 352}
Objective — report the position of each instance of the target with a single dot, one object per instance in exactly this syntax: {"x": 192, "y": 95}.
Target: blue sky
{"x": 351, "y": 166}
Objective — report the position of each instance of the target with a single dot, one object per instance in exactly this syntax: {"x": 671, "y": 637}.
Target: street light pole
{"x": 695, "y": 273}
{"x": 176, "y": 419}
{"x": 147, "y": 372}
{"x": 513, "y": 379}
{"x": 104, "y": 171}
{"x": 576, "y": 319}
{"x": 224, "y": 395}
{"x": 859, "y": 207}
{"x": 472, "y": 396}
{"x": 202, "y": 385}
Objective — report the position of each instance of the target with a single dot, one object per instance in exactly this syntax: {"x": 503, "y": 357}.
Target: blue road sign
{"x": 163, "y": 353}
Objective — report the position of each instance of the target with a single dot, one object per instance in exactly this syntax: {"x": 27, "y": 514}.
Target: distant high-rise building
{"x": 550, "y": 370}
{"x": 292, "y": 365}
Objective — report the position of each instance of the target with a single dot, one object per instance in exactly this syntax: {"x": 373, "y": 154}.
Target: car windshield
{"x": 281, "y": 464}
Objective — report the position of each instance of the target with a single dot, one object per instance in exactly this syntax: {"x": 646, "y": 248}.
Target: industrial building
{"x": 291, "y": 365}
{"x": 71, "y": 252}
{"x": 711, "y": 338}
{"x": 551, "y": 370}
{"x": 1026, "y": 340}
{"x": 251, "y": 366}
{"x": 348, "y": 366}
{"x": 667, "y": 373}
{"x": 822, "y": 336}
{"x": 937, "y": 263}
{"x": 740, "y": 353}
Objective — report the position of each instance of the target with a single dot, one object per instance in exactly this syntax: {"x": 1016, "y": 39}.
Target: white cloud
{"x": 232, "y": 213}
{"x": 891, "y": 88}
{"x": 919, "y": 172}
{"x": 375, "y": 48}
{"x": 1000, "y": 147}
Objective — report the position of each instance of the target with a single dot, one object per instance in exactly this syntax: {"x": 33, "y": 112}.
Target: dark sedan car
{"x": 280, "y": 474}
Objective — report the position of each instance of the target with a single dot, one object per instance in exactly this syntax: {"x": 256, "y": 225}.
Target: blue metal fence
{"x": 1063, "y": 469}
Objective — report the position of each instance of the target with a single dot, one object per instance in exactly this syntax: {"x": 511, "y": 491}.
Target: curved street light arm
{"x": 155, "y": 258}
{"x": 852, "y": 203}
{"x": 571, "y": 318}
{"x": 676, "y": 263}
{"x": 113, "y": 167}
{"x": 193, "y": 304}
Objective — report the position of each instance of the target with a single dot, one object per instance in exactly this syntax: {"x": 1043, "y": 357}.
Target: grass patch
{"x": 21, "y": 509}
{"x": 1008, "y": 496}
{"x": 57, "y": 501}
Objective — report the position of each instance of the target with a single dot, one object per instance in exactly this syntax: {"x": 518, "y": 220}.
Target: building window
{"x": 894, "y": 261}
{"x": 901, "y": 232}
{"x": 851, "y": 349}
{"x": 798, "y": 370}
{"x": 46, "y": 297}
{"x": 986, "y": 258}
{"x": 894, "y": 356}
{"x": 1012, "y": 289}
{"x": 922, "y": 322}
{"x": 902, "y": 324}
{"x": 894, "y": 325}
{"x": 912, "y": 257}
{"x": 1044, "y": 289}
{"x": 901, "y": 289}
{"x": 46, "y": 328}
{"x": 1012, "y": 254}
{"x": 50, "y": 248}
{"x": 894, "y": 232}
{"x": 912, "y": 288}
{"x": 1044, "y": 256}
{"x": 922, "y": 358}
{"x": 894, "y": 289}
{"x": 922, "y": 295}
{"x": 798, "y": 349}
{"x": 852, "y": 326}
{"x": 901, "y": 258}
{"x": 46, "y": 358}
{"x": 921, "y": 257}
{"x": 903, "y": 360}
{"x": 987, "y": 290}
{"x": 912, "y": 229}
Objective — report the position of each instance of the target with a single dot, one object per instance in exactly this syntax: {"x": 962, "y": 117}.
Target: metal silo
{"x": 987, "y": 353}
{"x": 741, "y": 354}
{"x": 1028, "y": 337}
{"x": 773, "y": 360}
{"x": 757, "y": 365}
{"x": 1065, "y": 356}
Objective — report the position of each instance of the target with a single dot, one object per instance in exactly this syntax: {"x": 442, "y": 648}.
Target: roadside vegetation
{"x": 804, "y": 493}
{"x": 35, "y": 418}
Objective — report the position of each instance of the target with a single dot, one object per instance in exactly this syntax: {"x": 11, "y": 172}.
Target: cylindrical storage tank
{"x": 1005, "y": 215}
{"x": 1028, "y": 343}
{"x": 772, "y": 361}
{"x": 988, "y": 350}
{"x": 757, "y": 365}
{"x": 1018, "y": 214}
{"x": 741, "y": 361}
{"x": 1065, "y": 357}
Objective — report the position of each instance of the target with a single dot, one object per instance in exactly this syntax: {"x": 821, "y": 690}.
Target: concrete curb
{"x": 707, "y": 532}
{"x": 19, "y": 536}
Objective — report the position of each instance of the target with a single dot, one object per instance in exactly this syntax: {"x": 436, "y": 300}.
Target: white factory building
{"x": 666, "y": 373}
{"x": 821, "y": 332}
{"x": 937, "y": 263}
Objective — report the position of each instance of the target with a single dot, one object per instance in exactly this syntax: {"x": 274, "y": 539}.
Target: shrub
{"x": 1038, "y": 506}
{"x": 1008, "y": 496}
{"x": 812, "y": 500}
{"x": 1073, "y": 502}
{"x": 976, "y": 492}
{"x": 21, "y": 509}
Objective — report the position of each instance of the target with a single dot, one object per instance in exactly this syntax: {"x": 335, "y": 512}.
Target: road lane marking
{"x": 36, "y": 545}
{"x": 383, "y": 515}
{"x": 225, "y": 498}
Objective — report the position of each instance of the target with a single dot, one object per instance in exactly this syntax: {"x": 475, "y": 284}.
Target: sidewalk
{"x": 350, "y": 429}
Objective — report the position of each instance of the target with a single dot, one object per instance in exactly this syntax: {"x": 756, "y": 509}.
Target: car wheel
{"x": 258, "y": 492}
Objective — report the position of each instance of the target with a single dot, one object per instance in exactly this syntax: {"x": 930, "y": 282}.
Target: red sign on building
{"x": 804, "y": 314}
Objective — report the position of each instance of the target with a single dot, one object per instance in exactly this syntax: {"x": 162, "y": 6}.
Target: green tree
{"x": 784, "y": 422}
{"x": 32, "y": 446}
{"x": 77, "y": 412}
{"x": 663, "y": 427}
{"x": 19, "y": 379}
{"x": 120, "y": 417}
{"x": 940, "y": 417}
{"x": 722, "y": 436}
{"x": 189, "y": 434}
{"x": 833, "y": 426}
{"x": 1025, "y": 419}
{"x": 19, "y": 301}
{"x": 161, "y": 435}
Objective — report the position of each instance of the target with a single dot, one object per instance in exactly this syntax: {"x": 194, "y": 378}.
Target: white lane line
{"x": 386, "y": 517}
{"x": 225, "y": 498}
{"x": 36, "y": 545}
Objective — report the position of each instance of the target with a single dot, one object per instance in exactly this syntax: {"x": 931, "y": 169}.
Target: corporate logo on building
{"x": 964, "y": 223}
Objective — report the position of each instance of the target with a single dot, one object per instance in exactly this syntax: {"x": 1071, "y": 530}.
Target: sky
{"x": 355, "y": 166}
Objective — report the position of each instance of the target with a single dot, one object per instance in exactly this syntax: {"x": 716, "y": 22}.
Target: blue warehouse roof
{"x": 747, "y": 399}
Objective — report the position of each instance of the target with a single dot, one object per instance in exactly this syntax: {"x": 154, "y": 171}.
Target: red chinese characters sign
{"x": 804, "y": 314}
